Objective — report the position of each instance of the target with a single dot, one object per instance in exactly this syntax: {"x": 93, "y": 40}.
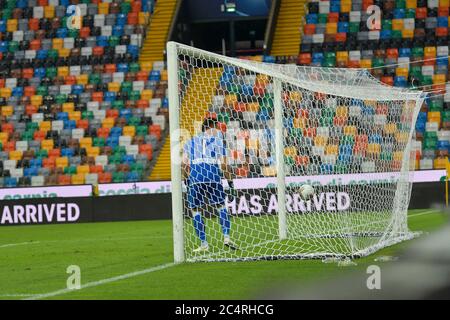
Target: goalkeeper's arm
{"x": 227, "y": 173}
{"x": 185, "y": 173}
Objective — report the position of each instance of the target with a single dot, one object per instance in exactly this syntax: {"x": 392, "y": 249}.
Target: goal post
{"x": 279, "y": 158}
{"x": 175, "y": 152}
{"x": 245, "y": 135}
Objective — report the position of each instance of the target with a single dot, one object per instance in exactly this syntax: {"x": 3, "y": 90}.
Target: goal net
{"x": 268, "y": 129}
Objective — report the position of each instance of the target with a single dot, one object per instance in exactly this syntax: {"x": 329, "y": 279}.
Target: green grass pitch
{"x": 34, "y": 260}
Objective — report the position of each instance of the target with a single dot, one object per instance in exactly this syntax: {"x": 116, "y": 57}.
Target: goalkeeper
{"x": 204, "y": 164}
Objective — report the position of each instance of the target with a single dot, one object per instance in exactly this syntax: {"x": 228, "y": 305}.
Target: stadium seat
{"x": 67, "y": 101}
{"x": 410, "y": 31}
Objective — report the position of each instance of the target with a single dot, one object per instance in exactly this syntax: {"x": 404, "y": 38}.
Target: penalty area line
{"x": 18, "y": 295}
{"x": 18, "y": 244}
{"x": 423, "y": 213}
{"x": 101, "y": 282}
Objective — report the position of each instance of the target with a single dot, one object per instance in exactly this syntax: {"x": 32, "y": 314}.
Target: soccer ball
{"x": 306, "y": 192}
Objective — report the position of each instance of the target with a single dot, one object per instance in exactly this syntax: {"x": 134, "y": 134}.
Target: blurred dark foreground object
{"x": 421, "y": 272}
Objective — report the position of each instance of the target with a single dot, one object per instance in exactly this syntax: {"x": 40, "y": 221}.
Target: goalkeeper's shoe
{"x": 227, "y": 242}
{"x": 204, "y": 247}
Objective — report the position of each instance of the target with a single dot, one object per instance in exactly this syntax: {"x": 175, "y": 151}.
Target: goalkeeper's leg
{"x": 194, "y": 202}
{"x": 225, "y": 223}
{"x": 199, "y": 226}
{"x": 224, "y": 217}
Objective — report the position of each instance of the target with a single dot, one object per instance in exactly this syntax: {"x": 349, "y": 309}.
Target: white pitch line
{"x": 423, "y": 213}
{"x": 101, "y": 282}
{"x": 111, "y": 239}
{"x": 83, "y": 240}
{"x": 6, "y": 295}
{"x": 18, "y": 244}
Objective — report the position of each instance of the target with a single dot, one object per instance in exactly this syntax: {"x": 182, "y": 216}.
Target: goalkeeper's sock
{"x": 199, "y": 226}
{"x": 224, "y": 221}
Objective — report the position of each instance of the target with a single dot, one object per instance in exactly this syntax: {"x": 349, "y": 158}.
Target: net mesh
{"x": 343, "y": 132}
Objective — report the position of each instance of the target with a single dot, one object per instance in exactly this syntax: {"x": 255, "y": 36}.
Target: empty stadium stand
{"x": 89, "y": 104}
{"x": 409, "y": 47}
{"x": 76, "y": 106}
{"x": 155, "y": 44}
{"x": 287, "y": 35}
{"x": 322, "y": 129}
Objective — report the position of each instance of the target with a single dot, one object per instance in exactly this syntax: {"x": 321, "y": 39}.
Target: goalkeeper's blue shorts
{"x": 202, "y": 194}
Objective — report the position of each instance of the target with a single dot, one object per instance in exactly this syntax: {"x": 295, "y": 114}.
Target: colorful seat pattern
{"x": 75, "y": 105}
{"x": 331, "y": 135}
{"x": 407, "y": 47}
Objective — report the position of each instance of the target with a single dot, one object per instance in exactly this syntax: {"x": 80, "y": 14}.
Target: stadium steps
{"x": 161, "y": 170}
{"x": 196, "y": 101}
{"x": 287, "y": 35}
{"x": 198, "y": 97}
{"x": 157, "y": 33}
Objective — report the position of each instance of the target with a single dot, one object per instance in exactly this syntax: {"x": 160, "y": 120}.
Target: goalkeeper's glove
{"x": 229, "y": 186}
{"x": 183, "y": 186}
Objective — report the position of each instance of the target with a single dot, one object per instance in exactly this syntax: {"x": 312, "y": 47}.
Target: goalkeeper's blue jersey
{"x": 204, "y": 152}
